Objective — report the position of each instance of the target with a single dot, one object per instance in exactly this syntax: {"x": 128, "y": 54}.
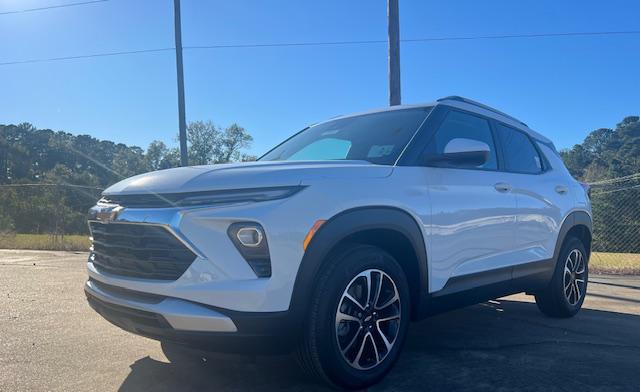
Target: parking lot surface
{"x": 51, "y": 340}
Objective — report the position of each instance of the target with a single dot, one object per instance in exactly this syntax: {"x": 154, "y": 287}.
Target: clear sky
{"x": 563, "y": 87}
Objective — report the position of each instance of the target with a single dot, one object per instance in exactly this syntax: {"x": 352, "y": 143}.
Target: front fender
{"x": 345, "y": 224}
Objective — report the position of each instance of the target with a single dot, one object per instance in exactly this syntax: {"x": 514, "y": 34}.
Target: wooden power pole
{"x": 184, "y": 158}
{"x": 393, "y": 21}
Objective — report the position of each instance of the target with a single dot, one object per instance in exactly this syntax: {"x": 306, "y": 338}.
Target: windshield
{"x": 378, "y": 138}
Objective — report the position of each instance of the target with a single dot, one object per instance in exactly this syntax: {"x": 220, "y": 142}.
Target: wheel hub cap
{"x": 575, "y": 270}
{"x": 368, "y": 319}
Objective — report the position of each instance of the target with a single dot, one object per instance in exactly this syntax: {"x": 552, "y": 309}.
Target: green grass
{"x": 615, "y": 263}
{"x": 44, "y": 242}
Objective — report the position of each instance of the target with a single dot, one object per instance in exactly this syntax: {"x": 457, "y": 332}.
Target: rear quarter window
{"x": 520, "y": 155}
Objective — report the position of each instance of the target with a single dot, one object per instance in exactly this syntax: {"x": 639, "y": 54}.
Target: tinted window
{"x": 378, "y": 138}
{"x": 458, "y": 125}
{"x": 519, "y": 153}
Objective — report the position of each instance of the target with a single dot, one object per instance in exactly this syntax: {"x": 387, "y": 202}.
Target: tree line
{"x": 608, "y": 158}
{"x": 48, "y": 179}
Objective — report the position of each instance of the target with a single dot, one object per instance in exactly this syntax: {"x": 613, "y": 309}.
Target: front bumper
{"x": 218, "y": 303}
{"x": 220, "y": 276}
{"x": 172, "y": 312}
{"x": 197, "y": 325}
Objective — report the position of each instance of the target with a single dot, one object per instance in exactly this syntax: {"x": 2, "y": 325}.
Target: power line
{"x": 534, "y": 35}
{"x": 617, "y": 190}
{"x": 408, "y": 40}
{"x": 329, "y": 43}
{"x": 52, "y": 7}
{"x": 630, "y": 177}
{"x": 86, "y": 56}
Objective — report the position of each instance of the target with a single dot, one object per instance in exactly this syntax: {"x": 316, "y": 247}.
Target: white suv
{"x": 332, "y": 242}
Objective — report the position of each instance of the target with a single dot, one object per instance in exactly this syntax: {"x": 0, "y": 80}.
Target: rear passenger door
{"x": 539, "y": 191}
{"x": 472, "y": 226}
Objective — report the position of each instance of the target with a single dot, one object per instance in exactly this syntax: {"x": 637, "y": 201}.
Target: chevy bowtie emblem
{"x": 108, "y": 214}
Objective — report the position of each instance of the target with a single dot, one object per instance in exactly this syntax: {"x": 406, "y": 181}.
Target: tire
{"x": 348, "y": 350}
{"x": 565, "y": 294}
{"x": 180, "y": 355}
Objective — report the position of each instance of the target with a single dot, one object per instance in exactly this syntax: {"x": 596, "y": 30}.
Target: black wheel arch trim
{"x": 545, "y": 269}
{"x": 343, "y": 225}
{"x": 575, "y": 218}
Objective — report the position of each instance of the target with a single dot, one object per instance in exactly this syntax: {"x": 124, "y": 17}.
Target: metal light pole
{"x": 184, "y": 160}
{"x": 393, "y": 21}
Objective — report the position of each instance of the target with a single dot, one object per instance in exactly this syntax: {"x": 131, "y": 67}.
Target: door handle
{"x": 502, "y": 187}
{"x": 561, "y": 189}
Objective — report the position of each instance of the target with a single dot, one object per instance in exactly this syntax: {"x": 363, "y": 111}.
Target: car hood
{"x": 245, "y": 175}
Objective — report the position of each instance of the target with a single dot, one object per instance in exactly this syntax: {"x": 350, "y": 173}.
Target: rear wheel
{"x": 568, "y": 287}
{"x": 358, "y": 319}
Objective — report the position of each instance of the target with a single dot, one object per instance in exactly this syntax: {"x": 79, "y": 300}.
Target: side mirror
{"x": 462, "y": 152}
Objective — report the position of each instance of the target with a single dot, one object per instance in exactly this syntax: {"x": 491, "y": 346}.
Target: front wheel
{"x": 566, "y": 292}
{"x": 358, "y": 319}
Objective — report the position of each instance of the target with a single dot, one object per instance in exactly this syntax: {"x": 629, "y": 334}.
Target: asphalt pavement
{"x": 51, "y": 340}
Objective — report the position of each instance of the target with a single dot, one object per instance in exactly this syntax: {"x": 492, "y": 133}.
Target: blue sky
{"x": 562, "y": 87}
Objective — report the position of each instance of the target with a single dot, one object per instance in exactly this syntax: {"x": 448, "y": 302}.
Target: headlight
{"x": 236, "y": 196}
{"x": 187, "y": 199}
{"x": 251, "y": 241}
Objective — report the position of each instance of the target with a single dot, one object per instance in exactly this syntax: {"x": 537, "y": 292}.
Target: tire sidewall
{"x": 349, "y": 265}
{"x": 570, "y": 245}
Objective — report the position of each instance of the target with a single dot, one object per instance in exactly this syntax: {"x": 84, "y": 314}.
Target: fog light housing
{"x": 250, "y": 240}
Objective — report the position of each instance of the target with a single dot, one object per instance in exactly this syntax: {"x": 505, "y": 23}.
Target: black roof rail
{"x": 480, "y": 105}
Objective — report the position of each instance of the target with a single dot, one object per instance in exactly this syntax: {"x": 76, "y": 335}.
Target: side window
{"x": 458, "y": 125}
{"x": 519, "y": 153}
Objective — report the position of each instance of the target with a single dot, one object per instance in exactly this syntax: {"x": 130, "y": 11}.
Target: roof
{"x": 464, "y": 104}
{"x": 468, "y": 104}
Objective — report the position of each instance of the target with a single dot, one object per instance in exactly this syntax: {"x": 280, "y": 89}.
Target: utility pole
{"x": 184, "y": 160}
{"x": 393, "y": 22}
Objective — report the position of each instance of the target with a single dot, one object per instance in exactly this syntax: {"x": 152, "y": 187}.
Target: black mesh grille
{"x": 141, "y": 251}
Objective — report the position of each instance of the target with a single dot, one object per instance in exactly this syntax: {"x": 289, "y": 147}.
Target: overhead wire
{"x": 323, "y": 43}
{"x": 52, "y": 7}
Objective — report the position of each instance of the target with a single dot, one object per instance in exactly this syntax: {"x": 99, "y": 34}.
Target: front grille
{"x": 139, "y": 250}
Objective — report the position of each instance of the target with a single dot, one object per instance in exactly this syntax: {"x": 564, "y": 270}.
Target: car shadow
{"x": 219, "y": 373}
{"x": 497, "y": 345}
